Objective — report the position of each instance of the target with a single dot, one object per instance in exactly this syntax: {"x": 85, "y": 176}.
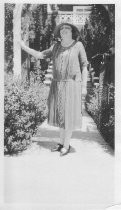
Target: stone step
{"x": 49, "y": 76}
{"x": 47, "y": 82}
{"x": 49, "y": 70}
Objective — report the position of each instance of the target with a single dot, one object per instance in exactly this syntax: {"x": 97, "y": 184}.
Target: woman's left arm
{"x": 84, "y": 80}
{"x": 83, "y": 65}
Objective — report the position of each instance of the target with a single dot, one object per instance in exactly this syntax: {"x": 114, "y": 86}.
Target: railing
{"x": 49, "y": 76}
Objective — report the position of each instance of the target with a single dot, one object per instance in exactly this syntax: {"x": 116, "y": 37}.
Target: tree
{"x": 98, "y": 31}
{"x": 9, "y": 37}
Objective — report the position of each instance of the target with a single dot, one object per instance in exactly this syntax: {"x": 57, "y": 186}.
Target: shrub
{"x": 107, "y": 130}
{"x": 92, "y": 105}
{"x": 24, "y": 109}
{"x": 107, "y": 121}
{"x": 103, "y": 113}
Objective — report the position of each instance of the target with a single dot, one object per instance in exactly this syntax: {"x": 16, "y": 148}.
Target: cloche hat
{"x": 75, "y": 31}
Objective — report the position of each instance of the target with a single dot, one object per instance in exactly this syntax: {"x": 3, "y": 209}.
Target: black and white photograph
{"x": 59, "y": 87}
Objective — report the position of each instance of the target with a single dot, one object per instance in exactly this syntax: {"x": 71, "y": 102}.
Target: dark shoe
{"x": 58, "y": 147}
{"x": 64, "y": 151}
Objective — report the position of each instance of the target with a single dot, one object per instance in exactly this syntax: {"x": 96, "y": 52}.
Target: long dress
{"x": 64, "y": 101}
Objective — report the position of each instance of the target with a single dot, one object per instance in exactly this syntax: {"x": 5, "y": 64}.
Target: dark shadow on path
{"x": 91, "y": 136}
{"x": 50, "y": 144}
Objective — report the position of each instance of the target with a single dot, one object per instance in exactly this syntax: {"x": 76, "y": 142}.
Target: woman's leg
{"x": 62, "y": 135}
{"x": 66, "y": 143}
{"x": 67, "y": 138}
{"x": 59, "y": 146}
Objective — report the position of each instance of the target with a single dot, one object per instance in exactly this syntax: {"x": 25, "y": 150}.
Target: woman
{"x": 68, "y": 84}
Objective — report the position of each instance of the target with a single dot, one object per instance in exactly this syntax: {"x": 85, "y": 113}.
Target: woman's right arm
{"x": 34, "y": 53}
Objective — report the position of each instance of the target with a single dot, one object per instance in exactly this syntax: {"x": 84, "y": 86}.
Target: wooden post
{"x": 16, "y": 39}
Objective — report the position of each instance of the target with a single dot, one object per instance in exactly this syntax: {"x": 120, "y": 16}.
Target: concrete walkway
{"x": 82, "y": 180}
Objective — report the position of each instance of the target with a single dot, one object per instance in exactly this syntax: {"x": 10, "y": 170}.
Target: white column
{"x": 16, "y": 39}
{"x": 2, "y": 103}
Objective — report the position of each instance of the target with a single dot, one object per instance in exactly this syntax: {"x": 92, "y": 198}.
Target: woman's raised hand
{"x": 22, "y": 44}
{"x": 34, "y": 53}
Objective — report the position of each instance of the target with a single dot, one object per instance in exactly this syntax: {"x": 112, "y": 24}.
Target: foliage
{"x": 36, "y": 28}
{"x": 103, "y": 114}
{"x": 107, "y": 125}
{"x": 92, "y": 104}
{"x": 9, "y": 37}
{"x": 39, "y": 33}
{"x": 98, "y": 31}
{"x": 107, "y": 120}
{"x": 25, "y": 109}
{"x": 43, "y": 29}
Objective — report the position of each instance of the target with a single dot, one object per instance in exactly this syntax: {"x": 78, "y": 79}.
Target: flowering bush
{"x": 102, "y": 113}
{"x": 107, "y": 121}
{"x": 107, "y": 130}
{"x": 92, "y": 105}
{"x": 24, "y": 109}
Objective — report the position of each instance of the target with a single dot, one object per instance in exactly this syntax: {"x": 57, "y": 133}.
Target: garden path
{"x": 40, "y": 180}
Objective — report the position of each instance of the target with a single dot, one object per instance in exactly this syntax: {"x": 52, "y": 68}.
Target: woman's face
{"x": 65, "y": 31}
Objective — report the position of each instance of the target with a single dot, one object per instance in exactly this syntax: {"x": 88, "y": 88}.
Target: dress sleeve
{"x": 82, "y": 56}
